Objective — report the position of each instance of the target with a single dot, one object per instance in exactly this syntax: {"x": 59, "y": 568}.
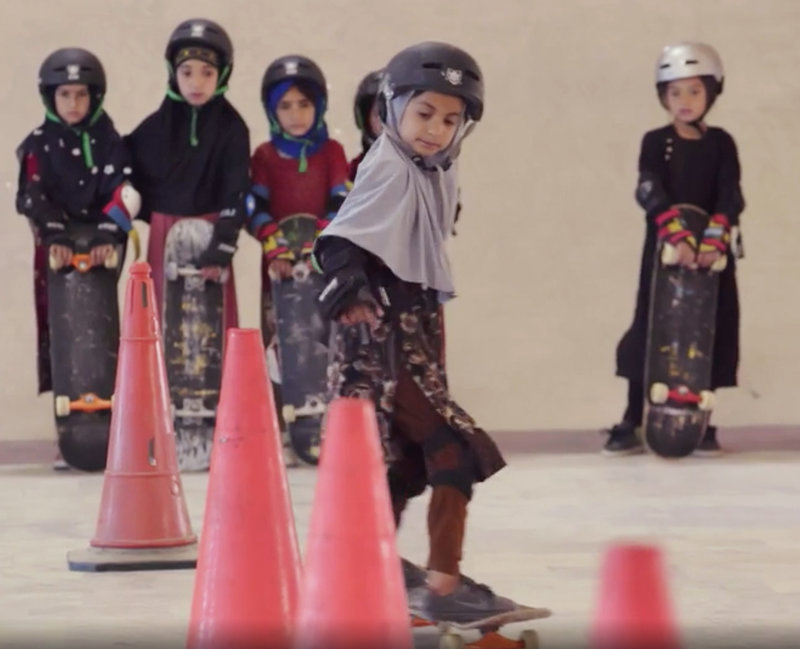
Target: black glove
{"x": 218, "y": 253}
{"x": 108, "y": 232}
{"x": 50, "y": 221}
{"x": 345, "y": 289}
{"x": 223, "y": 244}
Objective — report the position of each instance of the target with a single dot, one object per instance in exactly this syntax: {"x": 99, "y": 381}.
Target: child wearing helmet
{"x": 74, "y": 173}
{"x": 300, "y": 169}
{"x": 387, "y": 272}
{"x": 686, "y": 161}
{"x": 365, "y": 111}
{"x": 190, "y": 157}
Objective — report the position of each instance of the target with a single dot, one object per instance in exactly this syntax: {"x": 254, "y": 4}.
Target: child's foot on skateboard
{"x": 622, "y": 440}
{"x": 415, "y": 579}
{"x": 469, "y": 603}
{"x": 709, "y": 446}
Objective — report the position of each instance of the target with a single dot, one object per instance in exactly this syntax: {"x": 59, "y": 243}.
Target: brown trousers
{"x": 434, "y": 454}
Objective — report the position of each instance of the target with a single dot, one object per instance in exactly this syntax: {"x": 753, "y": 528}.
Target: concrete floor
{"x": 729, "y": 528}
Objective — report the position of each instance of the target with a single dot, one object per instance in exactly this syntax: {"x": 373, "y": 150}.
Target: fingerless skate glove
{"x": 717, "y": 235}
{"x": 273, "y": 243}
{"x": 672, "y": 229}
{"x": 347, "y": 288}
{"x": 223, "y": 244}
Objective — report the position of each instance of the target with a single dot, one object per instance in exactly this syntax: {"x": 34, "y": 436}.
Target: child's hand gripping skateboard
{"x": 62, "y": 256}
{"x": 679, "y": 244}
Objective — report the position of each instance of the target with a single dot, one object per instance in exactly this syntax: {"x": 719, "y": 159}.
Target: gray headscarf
{"x": 401, "y": 212}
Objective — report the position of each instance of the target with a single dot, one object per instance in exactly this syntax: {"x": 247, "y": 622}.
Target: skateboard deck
{"x": 302, "y": 336}
{"x": 680, "y": 347}
{"x": 84, "y": 333}
{"x": 452, "y": 633}
{"x": 192, "y": 319}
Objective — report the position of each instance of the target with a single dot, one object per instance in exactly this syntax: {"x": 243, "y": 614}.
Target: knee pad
{"x": 450, "y": 461}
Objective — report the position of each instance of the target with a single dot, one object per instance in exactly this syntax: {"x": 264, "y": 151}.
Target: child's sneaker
{"x": 709, "y": 446}
{"x": 415, "y": 579}
{"x": 59, "y": 464}
{"x": 470, "y": 602}
{"x": 622, "y": 440}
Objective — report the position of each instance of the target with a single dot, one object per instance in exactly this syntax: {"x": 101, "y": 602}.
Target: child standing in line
{"x": 299, "y": 170}
{"x": 387, "y": 271}
{"x": 190, "y": 157}
{"x": 368, "y": 121}
{"x": 74, "y": 171}
{"x": 684, "y": 162}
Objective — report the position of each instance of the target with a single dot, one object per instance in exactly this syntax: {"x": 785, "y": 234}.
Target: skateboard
{"x": 192, "y": 318}
{"x": 680, "y": 346}
{"x": 83, "y": 321}
{"x": 302, "y": 336}
{"x": 452, "y": 633}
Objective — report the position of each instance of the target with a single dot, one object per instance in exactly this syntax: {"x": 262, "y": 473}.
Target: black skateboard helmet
{"x": 293, "y": 66}
{"x": 203, "y": 33}
{"x": 72, "y": 65}
{"x": 439, "y": 67}
{"x": 366, "y": 93}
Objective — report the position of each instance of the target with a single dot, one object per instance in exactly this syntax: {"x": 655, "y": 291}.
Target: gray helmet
{"x": 439, "y": 67}
{"x": 690, "y": 59}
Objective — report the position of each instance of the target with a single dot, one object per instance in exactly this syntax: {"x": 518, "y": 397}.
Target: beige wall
{"x": 548, "y": 246}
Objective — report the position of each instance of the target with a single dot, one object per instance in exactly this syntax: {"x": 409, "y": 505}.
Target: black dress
{"x": 706, "y": 173}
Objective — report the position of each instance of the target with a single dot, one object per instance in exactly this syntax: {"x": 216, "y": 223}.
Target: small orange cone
{"x": 633, "y": 609}
{"x": 143, "y": 522}
{"x": 248, "y": 570}
{"x": 353, "y": 594}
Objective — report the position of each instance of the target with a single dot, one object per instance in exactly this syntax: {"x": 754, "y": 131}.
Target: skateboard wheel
{"x": 62, "y": 405}
{"x": 451, "y": 641}
{"x": 289, "y": 415}
{"x": 659, "y": 393}
{"x": 706, "y": 400}
{"x": 112, "y": 261}
{"x": 171, "y": 271}
{"x": 300, "y": 272}
{"x": 529, "y": 639}
{"x": 112, "y": 401}
{"x": 669, "y": 255}
{"x": 720, "y": 265}
{"x": 54, "y": 265}
{"x": 224, "y": 275}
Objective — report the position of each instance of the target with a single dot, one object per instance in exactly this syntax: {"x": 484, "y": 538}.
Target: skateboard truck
{"x": 172, "y": 272}
{"x": 88, "y": 402}
{"x": 192, "y": 407}
{"x": 83, "y": 262}
{"x": 528, "y": 639}
{"x": 661, "y": 393}
{"x": 313, "y": 406}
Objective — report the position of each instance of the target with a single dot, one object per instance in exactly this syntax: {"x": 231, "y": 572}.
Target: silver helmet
{"x": 689, "y": 59}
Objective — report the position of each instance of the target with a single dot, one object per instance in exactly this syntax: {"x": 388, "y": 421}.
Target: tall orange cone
{"x": 248, "y": 569}
{"x": 633, "y": 610}
{"x": 143, "y": 522}
{"x": 353, "y": 594}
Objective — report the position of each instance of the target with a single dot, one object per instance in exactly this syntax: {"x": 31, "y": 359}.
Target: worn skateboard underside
{"x": 192, "y": 342}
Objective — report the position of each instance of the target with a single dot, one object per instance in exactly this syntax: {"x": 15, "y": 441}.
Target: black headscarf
{"x": 189, "y": 161}
{"x": 79, "y": 167}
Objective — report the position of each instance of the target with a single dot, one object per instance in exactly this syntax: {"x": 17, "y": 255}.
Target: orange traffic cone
{"x": 143, "y": 522}
{"x": 353, "y": 593}
{"x": 248, "y": 569}
{"x": 633, "y": 610}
